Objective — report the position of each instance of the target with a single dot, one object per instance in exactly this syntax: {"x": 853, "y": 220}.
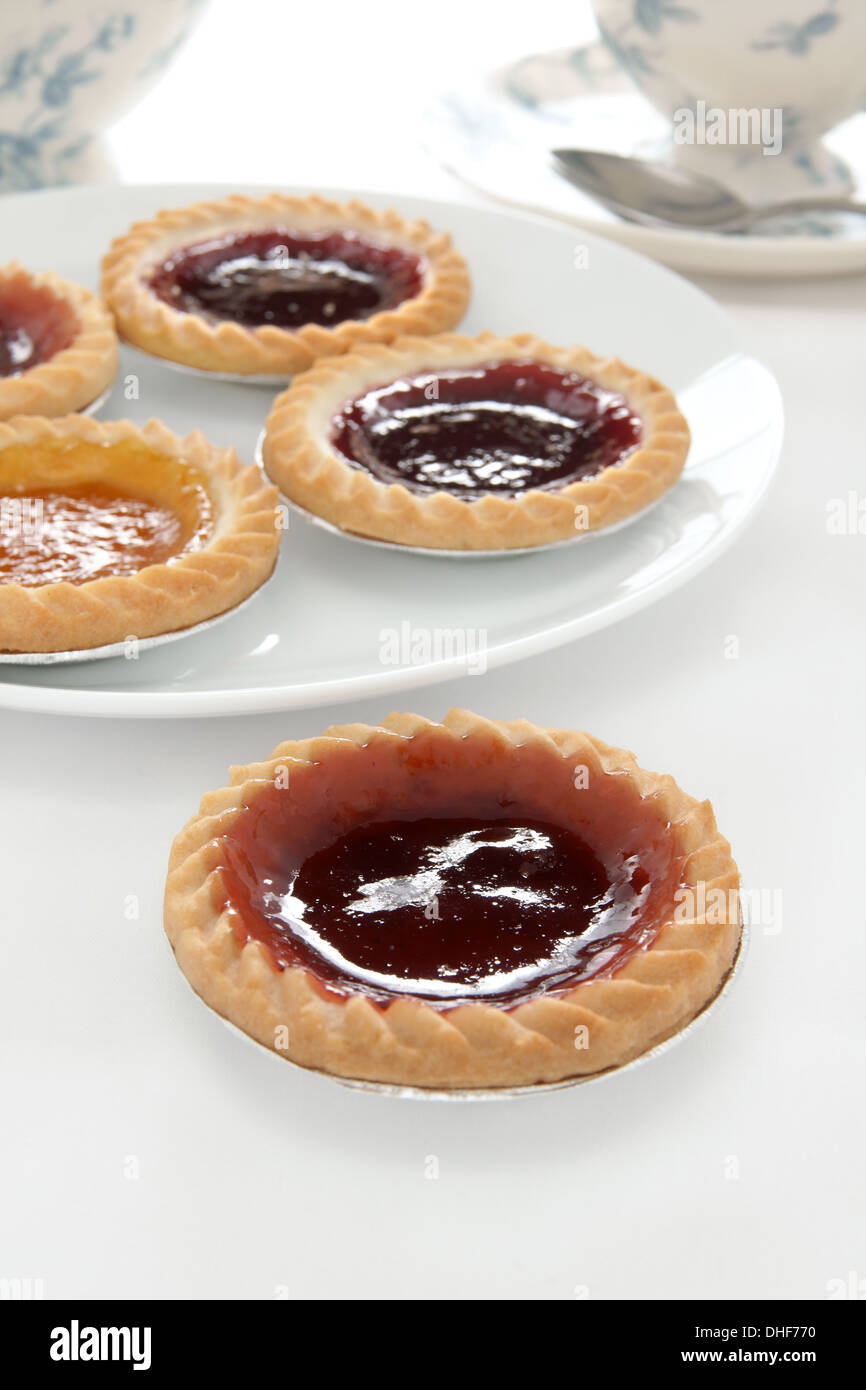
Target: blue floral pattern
{"x": 642, "y": 34}
{"x": 797, "y": 38}
{"x": 650, "y": 15}
{"x": 40, "y": 129}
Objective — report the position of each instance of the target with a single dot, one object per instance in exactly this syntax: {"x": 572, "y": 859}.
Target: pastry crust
{"x": 146, "y": 322}
{"x": 74, "y": 377}
{"x": 236, "y": 558}
{"x": 410, "y": 1042}
{"x": 300, "y": 459}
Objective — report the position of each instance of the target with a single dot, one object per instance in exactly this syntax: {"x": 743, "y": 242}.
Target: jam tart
{"x": 457, "y": 905}
{"x": 109, "y": 532}
{"x": 58, "y": 348}
{"x": 265, "y": 286}
{"x": 484, "y": 443}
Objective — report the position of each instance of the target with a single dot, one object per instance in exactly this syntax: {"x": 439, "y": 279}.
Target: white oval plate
{"x": 344, "y": 621}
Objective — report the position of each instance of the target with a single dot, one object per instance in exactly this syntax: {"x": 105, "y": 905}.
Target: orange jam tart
{"x": 110, "y": 532}
{"x": 98, "y": 511}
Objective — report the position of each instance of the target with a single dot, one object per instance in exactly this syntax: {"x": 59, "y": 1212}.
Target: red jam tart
{"x": 287, "y": 278}
{"x": 108, "y": 532}
{"x": 474, "y": 443}
{"x": 465, "y": 904}
{"x": 58, "y": 349}
{"x": 34, "y": 325}
{"x": 265, "y": 286}
{"x": 500, "y": 429}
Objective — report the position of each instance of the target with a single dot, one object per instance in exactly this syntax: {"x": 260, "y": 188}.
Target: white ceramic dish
{"x": 315, "y": 635}
{"x": 497, "y": 135}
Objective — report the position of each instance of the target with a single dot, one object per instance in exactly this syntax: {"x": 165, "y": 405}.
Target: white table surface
{"x": 732, "y": 1166}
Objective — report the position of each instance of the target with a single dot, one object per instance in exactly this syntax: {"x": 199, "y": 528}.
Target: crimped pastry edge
{"x": 657, "y": 991}
{"x": 300, "y": 459}
{"x": 74, "y": 377}
{"x": 147, "y": 323}
{"x": 236, "y": 559}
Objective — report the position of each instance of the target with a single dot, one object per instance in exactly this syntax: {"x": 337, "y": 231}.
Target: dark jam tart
{"x": 34, "y": 325}
{"x": 463, "y": 903}
{"x": 477, "y": 880}
{"x": 267, "y": 286}
{"x": 447, "y": 908}
{"x": 500, "y": 428}
{"x": 287, "y": 278}
{"x": 484, "y": 443}
{"x": 58, "y": 348}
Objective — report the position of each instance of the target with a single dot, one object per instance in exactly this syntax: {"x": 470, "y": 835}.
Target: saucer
{"x": 498, "y": 133}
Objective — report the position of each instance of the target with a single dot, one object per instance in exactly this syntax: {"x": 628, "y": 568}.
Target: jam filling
{"x": 499, "y": 428}
{"x": 287, "y": 278}
{"x": 428, "y": 870}
{"x": 112, "y": 511}
{"x": 34, "y": 325}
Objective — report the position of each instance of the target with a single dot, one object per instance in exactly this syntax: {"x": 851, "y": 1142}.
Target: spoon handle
{"x": 805, "y": 205}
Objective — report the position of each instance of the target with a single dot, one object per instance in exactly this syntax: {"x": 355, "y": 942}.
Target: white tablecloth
{"x": 733, "y": 1166}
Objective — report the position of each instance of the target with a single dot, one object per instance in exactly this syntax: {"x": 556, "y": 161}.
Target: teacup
{"x": 68, "y": 70}
{"x": 750, "y": 86}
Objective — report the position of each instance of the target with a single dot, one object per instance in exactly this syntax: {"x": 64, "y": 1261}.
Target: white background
{"x": 262, "y": 1179}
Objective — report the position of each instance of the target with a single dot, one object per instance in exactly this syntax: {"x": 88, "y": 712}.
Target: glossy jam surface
{"x": 425, "y": 869}
{"x": 82, "y": 512}
{"x": 287, "y": 278}
{"x": 34, "y": 325}
{"x": 500, "y": 428}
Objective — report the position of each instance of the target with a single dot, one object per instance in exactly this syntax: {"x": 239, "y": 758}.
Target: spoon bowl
{"x": 654, "y": 193}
